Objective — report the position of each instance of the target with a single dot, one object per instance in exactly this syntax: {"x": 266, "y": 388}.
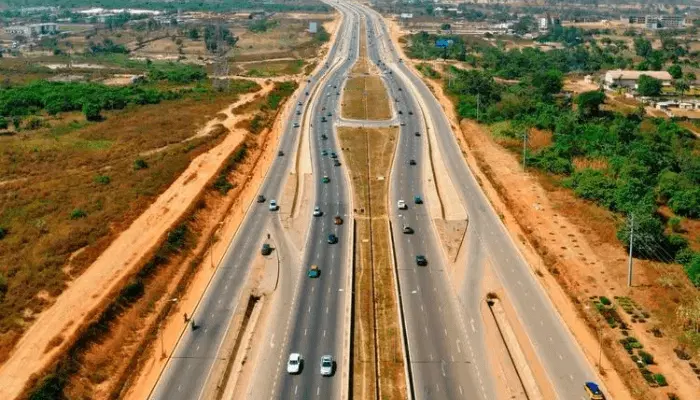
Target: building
{"x": 313, "y": 27}
{"x": 33, "y": 29}
{"x": 628, "y": 79}
{"x": 656, "y": 21}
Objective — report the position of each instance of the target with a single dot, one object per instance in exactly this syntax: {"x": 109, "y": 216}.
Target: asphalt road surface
{"x": 562, "y": 358}
{"x": 198, "y": 351}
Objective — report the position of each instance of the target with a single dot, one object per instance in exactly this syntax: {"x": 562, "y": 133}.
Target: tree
{"x": 642, "y": 47}
{"x": 3, "y": 123}
{"x": 589, "y": 103}
{"x": 681, "y": 86}
{"x": 193, "y": 34}
{"x": 445, "y": 27}
{"x": 690, "y": 76}
{"x": 676, "y": 71}
{"x": 548, "y": 83}
{"x": 649, "y": 239}
{"x": 648, "y": 86}
{"x": 92, "y": 111}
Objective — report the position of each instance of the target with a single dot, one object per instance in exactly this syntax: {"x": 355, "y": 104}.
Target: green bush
{"x": 3, "y": 232}
{"x": 647, "y": 358}
{"x": 660, "y": 379}
{"x": 3, "y": 123}
{"x": 605, "y": 301}
{"x": 102, "y": 179}
{"x": 77, "y": 214}
{"x": 140, "y": 163}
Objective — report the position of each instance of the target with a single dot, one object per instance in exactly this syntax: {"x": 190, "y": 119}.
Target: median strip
{"x": 378, "y": 368}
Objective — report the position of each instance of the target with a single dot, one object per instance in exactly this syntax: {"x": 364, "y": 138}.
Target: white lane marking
{"x": 295, "y": 389}
{"x": 472, "y": 324}
{"x": 304, "y": 332}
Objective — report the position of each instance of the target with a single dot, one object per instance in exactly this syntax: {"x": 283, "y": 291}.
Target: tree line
{"x": 640, "y": 163}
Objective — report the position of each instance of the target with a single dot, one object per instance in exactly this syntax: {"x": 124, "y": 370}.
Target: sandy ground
{"x": 95, "y": 286}
{"x": 518, "y": 183}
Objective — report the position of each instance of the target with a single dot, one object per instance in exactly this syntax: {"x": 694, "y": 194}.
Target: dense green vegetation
{"x": 91, "y": 98}
{"x": 516, "y": 63}
{"x": 176, "y": 73}
{"x": 640, "y": 163}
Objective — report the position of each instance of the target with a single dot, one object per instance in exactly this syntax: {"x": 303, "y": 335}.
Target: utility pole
{"x": 524, "y": 149}
{"x": 478, "y": 100}
{"x": 629, "y": 267}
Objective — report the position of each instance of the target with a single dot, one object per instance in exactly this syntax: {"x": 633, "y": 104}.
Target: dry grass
{"x": 369, "y": 154}
{"x": 271, "y": 68}
{"x": 600, "y": 164}
{"x": 538, "y": 139}
{"x": 365, "y": 97}
{"x": 88, "y": 167}
{"x": 361, "y": 67}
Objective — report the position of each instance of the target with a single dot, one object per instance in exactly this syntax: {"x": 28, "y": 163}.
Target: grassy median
{"x": 377, "y": 352}
{"x": 365, "y": 96}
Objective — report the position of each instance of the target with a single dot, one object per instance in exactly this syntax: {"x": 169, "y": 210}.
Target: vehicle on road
{"x": 298, "y": 112}
{"x": 411, "y": 162}
{"x": 417, "y": 133}
{"x": 417, "y": 200}
{"x": 402, "y": 123}
{"x": 314, "y": 272}
{"x": 338, "y": 220}
{"x": 266, "y": 249}
{"x": 332, "y": 239}
{"x": 317, "y": 211}
{"x": 400, "y": 112}
{"x": 280, "y": 153}
{"x": 324, "y": 137}
{"x": 336, "y": 163}
{"x": 296, "y": 125}
{"x": 593, "y": 391}
{"x": 421, "y": 260}
{"x": 325, "y": 179}
{"x": 333, "y": 155}
{"x": 273, "y": 205}
{"x": 323, "y": 119}
{"x": 300, "y": 103}
{"x": 407, "y": 230}
{"x": 410, "y": 113}
{"x": 261, "y": 199}
{"x": 324, "y": 152}
{"x": 329, "y": 114}
{"x": 327, "y": 365}
{"x": 294, "y": 363}
{"x": 401, "y": 205}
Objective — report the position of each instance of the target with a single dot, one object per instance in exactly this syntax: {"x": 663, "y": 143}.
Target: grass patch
{"x": 365, "y": 97}
{"x": 273, "y": 68}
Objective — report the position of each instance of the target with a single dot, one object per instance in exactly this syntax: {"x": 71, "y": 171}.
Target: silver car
{"x": 327, "y": 365}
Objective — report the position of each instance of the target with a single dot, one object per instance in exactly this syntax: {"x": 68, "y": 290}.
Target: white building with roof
{"x": 628, "y": 79}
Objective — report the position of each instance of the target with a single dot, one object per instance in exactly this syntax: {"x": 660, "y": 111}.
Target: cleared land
{"x": 378, "y": 357}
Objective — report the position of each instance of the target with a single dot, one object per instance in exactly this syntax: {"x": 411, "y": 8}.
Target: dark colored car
{"x": 407, "y": 230}
{"x": 280, "y": 153}
{"x": 421, "y": 260}
{"x": 332, "y": 239}
{"x": 266, "y": 249}
{"x": 336, "y": 163}
{"x": 417, "y": 200}
{"x": 261, "y": 199}
{"x": 412, "y": 162}
{"x": 417, "y": 133}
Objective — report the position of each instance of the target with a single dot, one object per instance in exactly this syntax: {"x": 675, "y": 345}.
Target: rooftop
{"x": 634, "y": 75}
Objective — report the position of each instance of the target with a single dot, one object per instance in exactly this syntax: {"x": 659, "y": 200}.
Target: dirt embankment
{"x": 378, "y": 357}
{"x": 58, "y": 326}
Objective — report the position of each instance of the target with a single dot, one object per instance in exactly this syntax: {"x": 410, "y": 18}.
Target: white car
{"x": 317, "y": 211}
{"x": 273, "y": 205}
{"x": 327, "y": 365}
{"x": 402, "y": 205}
{"x": 294, "y": 363}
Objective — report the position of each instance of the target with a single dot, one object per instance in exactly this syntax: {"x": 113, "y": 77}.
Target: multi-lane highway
{"x": 447, "y": 359}
{"x": 198, "y": 352}
{"x": 562, "y": 358}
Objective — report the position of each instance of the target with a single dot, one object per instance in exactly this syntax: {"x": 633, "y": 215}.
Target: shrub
{"x": 3, "y": 285}
{"x": 3, "y": 232}
{"x": 140, "y": 163}
{"x": 660, "y": 379}
{"x": 646, "y": 357}
{"x": 605, "y": 300}
{"x": 92, "y": 111}
{"x": 3, "y": 123}
{"x": 675, "y": 224}
{"x": 102, "y": 180}
{"x": 222, "y": 184}
{"x": 77, "y": 214}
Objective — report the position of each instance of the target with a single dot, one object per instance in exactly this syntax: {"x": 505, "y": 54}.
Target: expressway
{"x": 312, "y": 323}
{"x": 444, "y": 366}
{"x": 562, "y": 358}
{"x": 188, "y": 372}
